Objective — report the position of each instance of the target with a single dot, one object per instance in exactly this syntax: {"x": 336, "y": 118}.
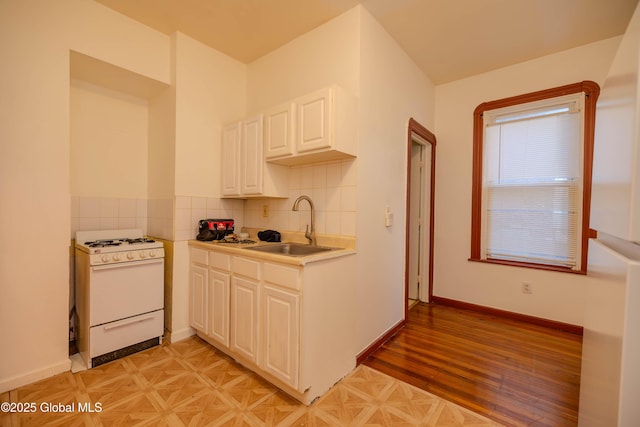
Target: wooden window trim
{"x": 591, "y": 91}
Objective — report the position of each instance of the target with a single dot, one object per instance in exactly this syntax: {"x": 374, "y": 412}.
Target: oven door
{"x": 118, "y": 291}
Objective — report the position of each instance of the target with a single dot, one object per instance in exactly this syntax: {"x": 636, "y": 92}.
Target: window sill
{"x": 530, "y": 265}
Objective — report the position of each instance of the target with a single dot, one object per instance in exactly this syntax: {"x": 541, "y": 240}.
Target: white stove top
{"x": 109, "y": 241}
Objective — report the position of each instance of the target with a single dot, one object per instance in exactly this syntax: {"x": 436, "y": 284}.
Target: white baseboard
{"x": 7, "y": 384}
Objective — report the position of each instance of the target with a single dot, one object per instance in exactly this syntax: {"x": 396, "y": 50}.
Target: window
{"x": 533, "y": 156}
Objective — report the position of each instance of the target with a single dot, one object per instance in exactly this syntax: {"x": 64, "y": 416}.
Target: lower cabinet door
{"x": 281, "y": 357}
{"x": 198, "y": 298}
{"x": 219, "y": 284}
{"x": 244, "y": 324}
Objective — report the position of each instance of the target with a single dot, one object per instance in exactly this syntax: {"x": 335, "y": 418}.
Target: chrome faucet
{"x": 309, "y": 234}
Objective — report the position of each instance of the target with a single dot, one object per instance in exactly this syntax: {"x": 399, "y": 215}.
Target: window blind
{"x": 532, "y": 187}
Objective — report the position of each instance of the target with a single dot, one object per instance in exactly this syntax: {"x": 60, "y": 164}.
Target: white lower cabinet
{"x": 218, "y": 306}
{"x": 198, "y": 298}
{"x": 291, "y": 324}
{"x": 209, "y": 288}
{"x": 281, "y": 334}
{"x": 244, "y": 318}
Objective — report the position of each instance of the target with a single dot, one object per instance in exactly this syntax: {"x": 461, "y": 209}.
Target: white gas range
{"x": 115, "y": 246}
{"x": 119, "y": 294}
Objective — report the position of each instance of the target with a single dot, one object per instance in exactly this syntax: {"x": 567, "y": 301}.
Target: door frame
{"x": 415, "y": 128}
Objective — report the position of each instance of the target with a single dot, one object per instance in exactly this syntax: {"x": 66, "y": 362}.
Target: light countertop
{"x": 347, "y": 247}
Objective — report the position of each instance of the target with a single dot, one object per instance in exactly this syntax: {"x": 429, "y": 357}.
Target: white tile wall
{"x": 160, "y": 218}
{"x": 331, "y": 185}
{"x": 191, "y": 209}
{"x": 107, "y": 213}
{"x": 333, "y": 188}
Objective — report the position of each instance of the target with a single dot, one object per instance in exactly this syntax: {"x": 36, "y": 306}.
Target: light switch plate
{"x": 388, "y": 218}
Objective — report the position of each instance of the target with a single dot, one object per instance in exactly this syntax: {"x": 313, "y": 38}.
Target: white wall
{"x": 326, "y": 55}
{"x": 209, "y": 92}
{"x": 109, "y": 141}
{"x": 392, "y": 89}
{"x": 35, "y": 39}
{"x": 556, "y": 296}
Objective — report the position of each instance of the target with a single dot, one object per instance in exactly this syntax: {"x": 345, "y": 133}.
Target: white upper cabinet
{"x": 243, "y": 168}
{"x": 279, "y": 128}
{"x": 251, "y": 157}
{"x": 615, "y": 199}
{"x": 319, "y": 126}
{"x": 315, "y": 121}
{"x": 324, "y": 128}
{"x": 230, "y": 159}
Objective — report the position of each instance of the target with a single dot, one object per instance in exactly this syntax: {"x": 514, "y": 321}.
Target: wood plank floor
{"x": 512, "y": 372}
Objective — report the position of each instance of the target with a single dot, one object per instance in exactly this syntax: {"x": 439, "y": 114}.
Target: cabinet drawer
{"x": 246, "y": 267}
{"x": 199, "y": 256}
{"x": 220, "y": 261}
{"x": 289, "y": 277}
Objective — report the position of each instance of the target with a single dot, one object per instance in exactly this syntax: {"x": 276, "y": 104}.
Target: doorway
{"x": 420, "y": 215}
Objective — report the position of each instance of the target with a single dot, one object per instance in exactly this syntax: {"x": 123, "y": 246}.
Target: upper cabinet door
{"x": 251, "y": 155}
{"x": 230, "y": 166}
{"x": 243, "y": 169}
{"x": 324, "y": 128}
{"x": 314, "y": 121}
{"x": 279, "y": 128}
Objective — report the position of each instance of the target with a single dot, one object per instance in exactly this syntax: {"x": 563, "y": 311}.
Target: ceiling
{"x": 448, "y": 39}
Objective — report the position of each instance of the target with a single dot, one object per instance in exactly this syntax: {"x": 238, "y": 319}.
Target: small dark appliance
{"x": 214, "y": 229}
{"x": 269, "y": 236}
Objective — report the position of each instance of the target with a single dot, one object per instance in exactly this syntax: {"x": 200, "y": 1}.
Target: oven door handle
{"x": 127, "y": 264}
{"x": 126, "y": 322}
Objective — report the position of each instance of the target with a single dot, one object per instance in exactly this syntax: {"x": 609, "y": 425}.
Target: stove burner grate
{"x": 139, "y": 240}
{"x": 102, "y": 243}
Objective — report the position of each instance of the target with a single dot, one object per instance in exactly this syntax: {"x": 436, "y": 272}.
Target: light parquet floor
{"x": 189, "y": 383}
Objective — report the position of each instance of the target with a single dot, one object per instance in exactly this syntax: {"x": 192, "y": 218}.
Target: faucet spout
{"x": 309, "y": 234}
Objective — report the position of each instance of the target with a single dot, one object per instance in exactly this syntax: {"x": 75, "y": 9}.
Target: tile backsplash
{"x": 190, "y": 209}
{"x": 333, "y": 188}
{"x": 331, "y": 185}
{"x": 107, "y": 213}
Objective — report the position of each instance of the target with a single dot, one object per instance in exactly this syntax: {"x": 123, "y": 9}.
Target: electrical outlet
{"x": 265, "y": 211}
{"x": 527, "y": 288}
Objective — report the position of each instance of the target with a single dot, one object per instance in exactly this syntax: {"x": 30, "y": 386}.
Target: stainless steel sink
{"x": 291, "y": 249}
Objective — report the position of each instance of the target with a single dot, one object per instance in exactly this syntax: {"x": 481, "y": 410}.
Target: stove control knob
{"x": 105, "y": 258}
{"x": 116, "y": 257}
{"x": 130, "y": 255}
{"x": 142, "y": 254}
{"x": 152, "y": 253}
